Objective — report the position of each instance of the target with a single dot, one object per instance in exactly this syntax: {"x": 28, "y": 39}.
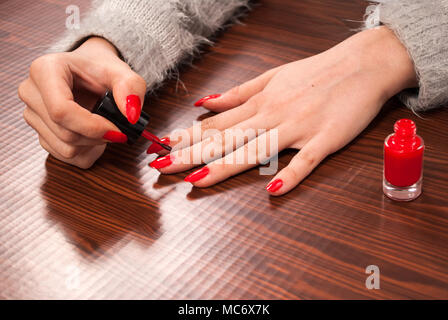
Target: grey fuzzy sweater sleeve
{"x": 152, "y": 35}
{"x": 422, "y": 26}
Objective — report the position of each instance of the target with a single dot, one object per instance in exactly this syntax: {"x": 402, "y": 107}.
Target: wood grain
{"x": 120, "y": 230}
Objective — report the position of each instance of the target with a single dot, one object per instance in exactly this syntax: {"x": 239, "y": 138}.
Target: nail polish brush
{"x": 107, "y": 108}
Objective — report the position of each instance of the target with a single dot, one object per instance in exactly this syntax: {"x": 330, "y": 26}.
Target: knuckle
{"x": 39, "y": 63}
{"x": 215, "y": 147}
{"x": 92, "y": 130}
{"x": 257, "y": 101}
{"x": 21, "y": 91}
{"x": 26, "y": 116}
{"x": 45, "y": 60}
{"x": 43, "y": 144}
{"x": 252, "y": 155}
{"x": 235, "y": 91}
{"x": 208, "y": 123}
{"x": 85, "y": 162}
{"x": 135, "y": 81}
{"x": 56, "y": 113}
{"x": 68, "y": 136}
{"x": 310, "y": 158}
{"x": 68, "y": 151}
{"x": 36, "y": 65}
{"x": 291, "y": 173}
{"x": 84, "y": 165}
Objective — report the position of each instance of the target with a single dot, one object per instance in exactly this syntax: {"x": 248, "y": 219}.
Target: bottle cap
{"x": 107, "y": 108}
{"x": 405, "y": 128}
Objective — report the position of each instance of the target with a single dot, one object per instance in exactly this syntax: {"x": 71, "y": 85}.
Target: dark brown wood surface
{"x": 120, "y": 230}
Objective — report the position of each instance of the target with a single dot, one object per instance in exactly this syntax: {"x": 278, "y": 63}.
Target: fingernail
{"x": 115, "y": 136}
{"x": 155, "y": 147}
{"x": 274, "y": 185}
{"x": 133, "y": 108}
{"x": 162, "y": 162}
{"x": 201, "y": 101}
{"x": 197, "y": 175}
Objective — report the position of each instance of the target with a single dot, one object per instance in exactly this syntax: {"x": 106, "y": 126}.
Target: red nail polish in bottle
{"x": 403, "y": 162}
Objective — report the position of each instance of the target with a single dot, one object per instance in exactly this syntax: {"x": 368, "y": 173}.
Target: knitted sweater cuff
{"x": 151, "y": 36}
{"x": 422, "y": 27}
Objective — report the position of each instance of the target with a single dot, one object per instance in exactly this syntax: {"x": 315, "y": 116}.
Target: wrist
{"x": 97, "y": 45}
{"x": 381, "y": 54}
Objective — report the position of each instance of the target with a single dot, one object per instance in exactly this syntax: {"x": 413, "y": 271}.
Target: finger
{"x": 30, "y": 95}
{"x": 237, "y": 95}
{"x": 66, "y": 150}
{"x": 53, "y": 78}
{"x": 184, "y": 138}
{"x": 299, "y": 167}
{"x": 209, "y": 149}
{"x": 257, "y": 151}
{"x": 129, "y": 90}
{"x": 84, "y": 160}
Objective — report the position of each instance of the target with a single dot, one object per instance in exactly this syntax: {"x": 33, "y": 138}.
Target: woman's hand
{"x": 67, "y": 130}
{"x": 318, "y": 105}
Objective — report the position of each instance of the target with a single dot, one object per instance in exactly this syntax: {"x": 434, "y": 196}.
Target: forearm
{"x": 152, "y": 36}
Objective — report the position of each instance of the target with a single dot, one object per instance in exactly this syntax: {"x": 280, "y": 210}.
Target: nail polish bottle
{"x": 403, "y": 162}
{"x": 107, "y": 108}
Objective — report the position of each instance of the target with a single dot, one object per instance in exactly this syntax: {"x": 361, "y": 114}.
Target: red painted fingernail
{"x": 197, "y": 175}
{"x": 155, "y": 147}
{"x": 115, "y": 136}
{"x": 133, "y": 108}
{"x": 201, "y": 101}
{"x": 274, "y": 185}
{"x": 162, "y": 162}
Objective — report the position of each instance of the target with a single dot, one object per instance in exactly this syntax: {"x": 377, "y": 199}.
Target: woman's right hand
{"x": 67, "y": 130}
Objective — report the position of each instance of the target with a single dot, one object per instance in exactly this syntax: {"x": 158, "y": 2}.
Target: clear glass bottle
{"x": 403, "y": 162}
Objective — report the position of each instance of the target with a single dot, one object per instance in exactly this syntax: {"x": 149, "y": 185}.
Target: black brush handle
{"x": 107, "y": 108}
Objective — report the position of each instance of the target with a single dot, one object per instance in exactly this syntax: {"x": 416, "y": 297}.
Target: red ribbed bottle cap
{"x": 405, "y": 128}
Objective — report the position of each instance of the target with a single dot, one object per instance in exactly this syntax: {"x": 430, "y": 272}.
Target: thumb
{"x": 128, "y": 89}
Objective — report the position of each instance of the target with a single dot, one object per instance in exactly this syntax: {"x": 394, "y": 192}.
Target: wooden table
{"x": 120, "y": 230}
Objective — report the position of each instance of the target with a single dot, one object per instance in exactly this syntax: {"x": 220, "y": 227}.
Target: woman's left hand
{"x": 318, "y": 105}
